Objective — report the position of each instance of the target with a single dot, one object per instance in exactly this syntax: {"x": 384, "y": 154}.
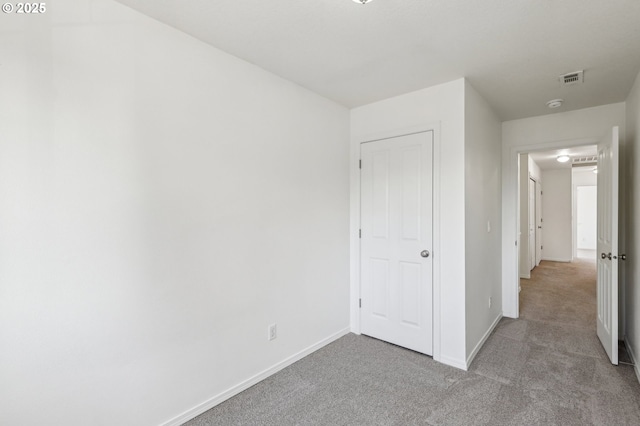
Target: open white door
{"x": 607, "y": 262}
{"x": 396, "y": 241}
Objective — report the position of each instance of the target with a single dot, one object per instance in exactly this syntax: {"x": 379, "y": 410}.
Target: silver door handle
{"x": 424, "y": 253}
{"x": 623, "y": 257}
{"x": 605, "y": 256}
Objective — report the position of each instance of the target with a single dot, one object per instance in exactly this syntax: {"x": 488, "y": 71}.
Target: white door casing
{"x": 538, "y": 223}
{"x": 532, "y": 224}
{"x": 396, "y": 229}
{"x": 607, "y": 258}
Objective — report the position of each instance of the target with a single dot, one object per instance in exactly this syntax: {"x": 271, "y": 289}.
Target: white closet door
{"x": 396, "y": 240}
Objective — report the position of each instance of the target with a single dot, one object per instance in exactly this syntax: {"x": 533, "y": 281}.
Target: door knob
{"x": 424, "y": 253}
{"x": 623, "y": 257}
{"x": 603, "y": 255}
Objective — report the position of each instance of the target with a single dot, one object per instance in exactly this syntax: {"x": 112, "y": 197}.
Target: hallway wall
{"x": 556, "y": 213}
{"x": 582, "y": 176}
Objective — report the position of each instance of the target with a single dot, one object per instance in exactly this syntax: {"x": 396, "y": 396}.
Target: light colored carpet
{"x": 546, "y": 368}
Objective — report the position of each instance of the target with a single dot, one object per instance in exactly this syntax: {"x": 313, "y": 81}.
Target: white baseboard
{"x": 526, "y": 276}
{"x": 475, "y": 351}
{"x": 628, "y": 344}
{"x": 223, "y": 396}
{"x": 558, "y": 259}
{"x": 453, "y": 362}
{"x": 509, "y": 314}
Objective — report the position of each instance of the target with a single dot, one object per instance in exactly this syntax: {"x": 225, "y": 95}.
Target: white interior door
{"x": 396, "y": 241}
{"x": 532, "y": 224}
{"x": 607, "y": 262}
{"x": 538, "y": 223}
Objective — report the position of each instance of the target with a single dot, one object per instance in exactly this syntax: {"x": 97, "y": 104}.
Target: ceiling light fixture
{"x": 361, "y": 1}
{"x": 563, "y": 158}
{"x": 555, "y": 103}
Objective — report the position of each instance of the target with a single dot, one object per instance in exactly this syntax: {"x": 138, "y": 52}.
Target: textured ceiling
{"x": 512, "y": 51}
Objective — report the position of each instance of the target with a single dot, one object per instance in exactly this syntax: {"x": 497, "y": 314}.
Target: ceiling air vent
{"x": 584, "y": 161}
{"x": 572, "y": 78}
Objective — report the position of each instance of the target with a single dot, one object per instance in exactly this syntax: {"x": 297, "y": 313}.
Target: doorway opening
{"x": 557, "y": 204}
{"x": 560, "y": 227}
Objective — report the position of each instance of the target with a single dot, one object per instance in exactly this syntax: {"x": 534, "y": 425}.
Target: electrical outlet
{"x": 273, "y": 332}
{"x": 490, "y": 300}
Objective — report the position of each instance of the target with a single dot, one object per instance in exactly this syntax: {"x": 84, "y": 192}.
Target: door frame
{"x": 354, "y": 238}
{"x": 511, "y": 211}
{"x": 531, "y": 228}
{"x": 538, "y": 230}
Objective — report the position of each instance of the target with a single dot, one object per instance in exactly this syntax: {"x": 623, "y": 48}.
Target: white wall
{"x": 440, "y": 107}
{"x": 583, "y": 177}
{"x": 482, "y": 220}
{"x": 586, "y": 207}
{"x": 559, "y": 130}
{"x": 161, "y": 203}
{"x": 631, "y": 175}
{"x": 557, "y": 232}
{"x": 534, "y": 169}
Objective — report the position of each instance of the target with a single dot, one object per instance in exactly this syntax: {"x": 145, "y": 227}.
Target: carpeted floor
{"x": 547, "y": 368}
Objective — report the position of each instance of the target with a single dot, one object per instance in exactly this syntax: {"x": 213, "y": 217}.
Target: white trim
{"x": 223, "y": 396}
{"x": 437, "y": 247}
{"x": 628, "y": 345}
{"x": 475, "y": 351}
{"x": 356, "y": 142}
{"x": 527, "y": 276}
{"x": 557, "y": 259}
{"x": 454, "y": 362}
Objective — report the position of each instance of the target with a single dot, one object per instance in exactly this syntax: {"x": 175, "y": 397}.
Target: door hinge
{"x": 359, "y": 233}
{"x": 360, "y": 303}
{"x": 516, "y": 243}
{"x": 541, "y": 247}
{"x": 360, "y": 164}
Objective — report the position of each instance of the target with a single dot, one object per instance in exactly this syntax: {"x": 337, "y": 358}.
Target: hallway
{"x": 562, "y": 294}
{"x": 553, "y": 356}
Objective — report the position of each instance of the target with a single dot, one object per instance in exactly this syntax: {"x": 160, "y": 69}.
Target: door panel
{"x": 410, "y": 277}
{"x": 410, "y": 214}
{"x": 396, "y": 222}
{"x": 607, "y": 263}
{"x": 380, "y": 193}
{"x": 380, "y": 287}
